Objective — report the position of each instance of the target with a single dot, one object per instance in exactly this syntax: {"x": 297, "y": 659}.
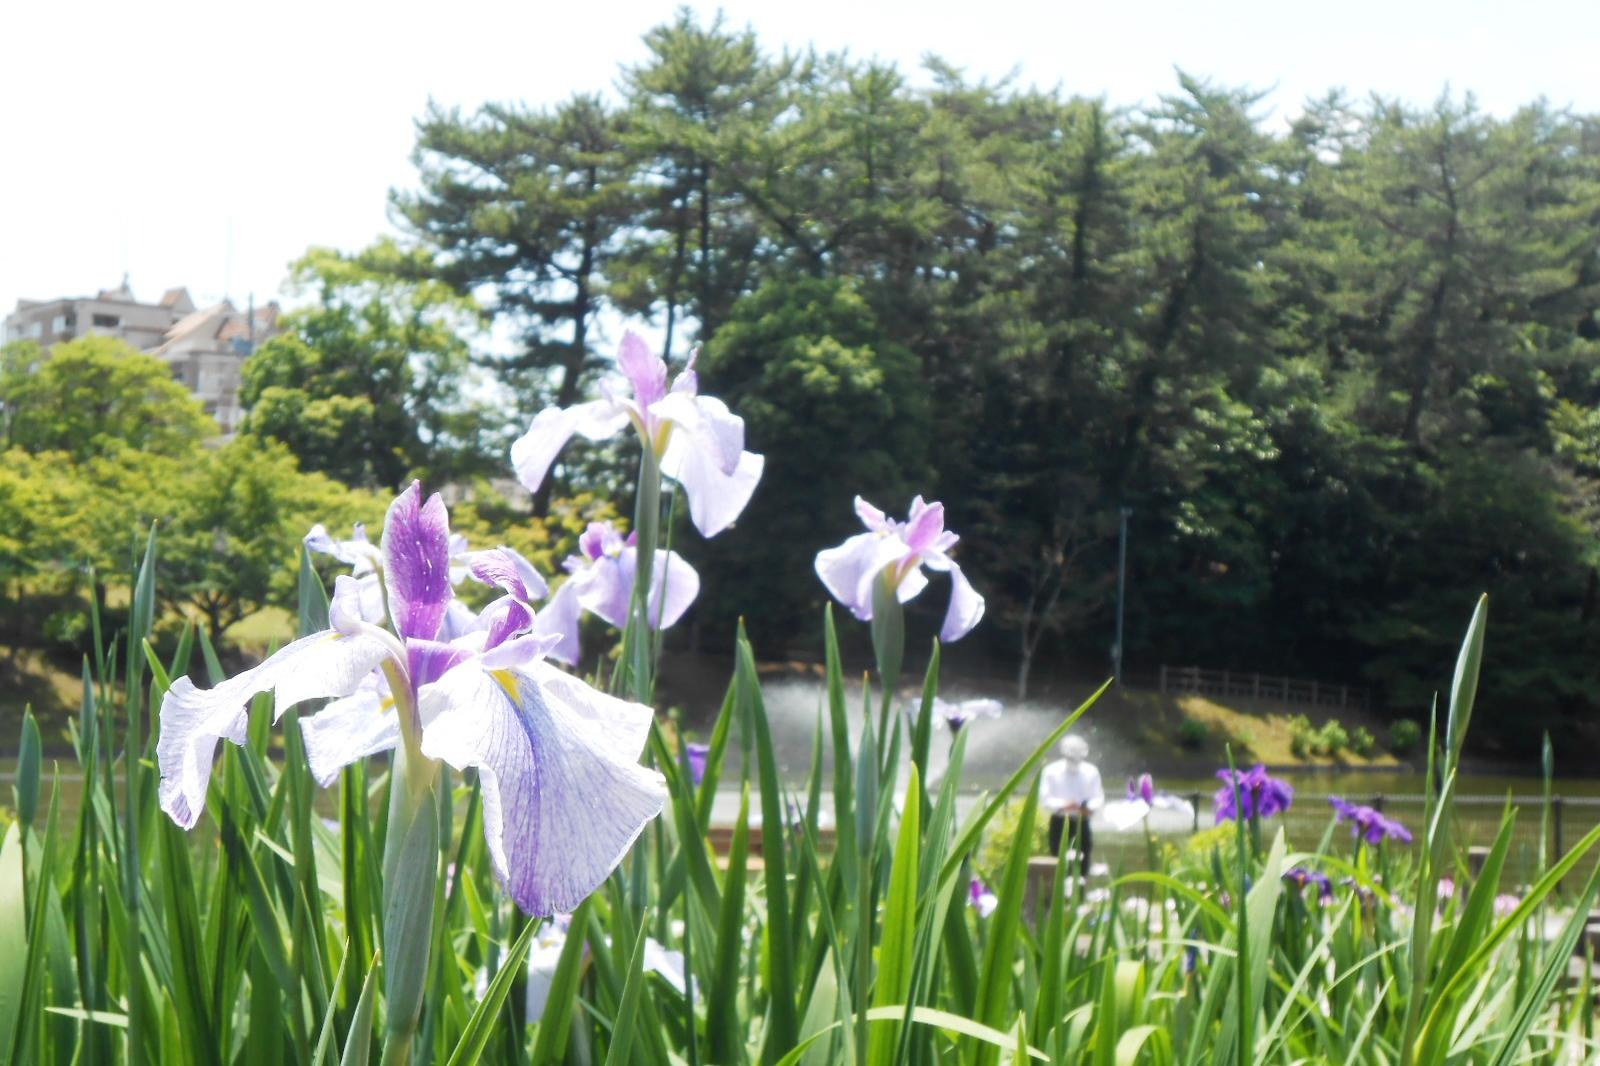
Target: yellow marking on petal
{"x": 507, "y": 680}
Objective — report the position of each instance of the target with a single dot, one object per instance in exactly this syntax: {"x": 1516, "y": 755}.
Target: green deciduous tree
{"x": 368, "y": 384}
{"x": 93, "y": 396}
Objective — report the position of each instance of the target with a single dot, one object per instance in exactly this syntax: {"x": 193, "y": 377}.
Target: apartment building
{"x": 205, "y": 347}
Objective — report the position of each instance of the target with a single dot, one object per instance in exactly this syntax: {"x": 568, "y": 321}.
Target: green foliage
{"x": 235, "y": 528}
{"x": 94, "y": 397}
{"x": 1302, "y": 736}
{"x": 1332, "y": 738}
{"x": 1404, "y": 736}
{"x": 1193, "y": 734}
{"x": 127, "y": 940}
{"x": 1362, "y": 742}
{"x": 367, "y": 383}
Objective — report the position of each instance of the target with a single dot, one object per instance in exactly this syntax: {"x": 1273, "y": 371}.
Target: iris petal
{"x": 533, "y": 453}
{"x": 416, "y": 563}
{"x": 563, "y": 797}
{"x": 715, "y": 498}
{"x": 348, "y": 730}
{"x": 321, "y": 665}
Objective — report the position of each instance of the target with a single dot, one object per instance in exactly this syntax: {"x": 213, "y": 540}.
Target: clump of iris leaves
{"x": 125, "y": 939}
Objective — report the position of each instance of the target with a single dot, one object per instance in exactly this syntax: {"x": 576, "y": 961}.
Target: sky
{"x": 208, "y": 145}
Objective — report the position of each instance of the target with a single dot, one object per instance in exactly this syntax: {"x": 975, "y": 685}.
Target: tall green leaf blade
{"x": 893, "y": 982}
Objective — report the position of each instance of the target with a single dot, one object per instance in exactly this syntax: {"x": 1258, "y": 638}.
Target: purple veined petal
{"x": 671, "y": 578}
{"x": 644, "y": 369}
{"x": 708, "y": 424}
{"x": 848, "y": 570}
{"x": 559, "y": 619}
{"x": 871, "y": 517}
{"x": 605, "y": 589}
{"x": 416, "y": 563}
{"x": 345, "y": 731}
{"x": 601, "y": 539}
{"x": 520, "y": 651}
{"x": 506, "y": 617}
{"x": 506, "y": 569}
{"x": 429, "y": 660}
{"x": 563, "y": 795}
{"x": 533, "y": 453}
{"x": 924, "y": 527}
{"x": 592, "y": 541}
{"x": 322, "y": 665}
{"x": 625, "y": 724}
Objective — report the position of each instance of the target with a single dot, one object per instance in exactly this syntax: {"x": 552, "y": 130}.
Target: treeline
{"x": 1342, "y": 373}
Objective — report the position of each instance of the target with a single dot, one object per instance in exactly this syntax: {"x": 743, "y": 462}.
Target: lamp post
{"x": 1122, "y": 584}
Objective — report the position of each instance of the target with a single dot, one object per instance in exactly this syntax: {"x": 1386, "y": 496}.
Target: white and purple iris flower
{"x": 564, "y": 796}
{"x": 1143, "y": 798}
{"x": 956, "y": 715}
{"x": 698, "y": 441}
{"x": 603, "y": 575}
{"x": 895, "y": 553}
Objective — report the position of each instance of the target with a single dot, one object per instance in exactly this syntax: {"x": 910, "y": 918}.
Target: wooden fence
{"x": 1231, "y": 684}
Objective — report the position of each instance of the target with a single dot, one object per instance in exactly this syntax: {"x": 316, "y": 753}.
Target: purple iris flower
{"x": 1300, "y": 877}
{"x": 895, "y": 553}
{"x": 981, "y": 898}
{"x": 695, "y": 755}
{"x": 564, "y": 796}
{"x": 699, "y": 442}
{"x": 601, "y": 582}
{"x": 1260, "y": 795}
{"x": 956, "y": 715}
{"x": 1369, "y": 823}
{"x": 1142, "y": 787}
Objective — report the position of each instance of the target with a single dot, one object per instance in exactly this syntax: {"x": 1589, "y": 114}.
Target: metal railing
{"x": 1233, "y": 684}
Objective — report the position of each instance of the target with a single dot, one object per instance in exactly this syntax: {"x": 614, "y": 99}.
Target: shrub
{"x": 1332, "y": 738}
{"x": 1192, "y": 734}
{"x": 1362, "y": 742}
{"x": 1404, "y": 736}
{"x": 1302, "y": 736}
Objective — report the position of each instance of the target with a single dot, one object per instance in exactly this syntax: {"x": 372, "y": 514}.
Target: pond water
{"x": 995, "y": 748}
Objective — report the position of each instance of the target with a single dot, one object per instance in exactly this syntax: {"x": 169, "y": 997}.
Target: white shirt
{"x": 1065, "y": 784}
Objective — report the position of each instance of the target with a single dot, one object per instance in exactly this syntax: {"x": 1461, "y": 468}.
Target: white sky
{"x": 139, "y": 137}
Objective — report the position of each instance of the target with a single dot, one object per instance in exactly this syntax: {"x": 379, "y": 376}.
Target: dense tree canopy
{"x": 1342, "y": 374}
{"x": 366, "y": 382}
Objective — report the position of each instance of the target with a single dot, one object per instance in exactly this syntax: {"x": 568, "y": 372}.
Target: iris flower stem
{"x": 410, "y": 876}
{"x": 888, "y": 645}
{"x": 647, "y": 524}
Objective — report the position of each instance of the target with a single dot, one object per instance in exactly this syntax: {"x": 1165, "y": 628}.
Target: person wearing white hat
{"x": 1071, "y": 791}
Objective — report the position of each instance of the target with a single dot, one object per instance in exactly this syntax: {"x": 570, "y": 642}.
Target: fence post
{"x": 1314, "y": 700}
{"x": 1256, "y": 686}
{"x": 1344, "y": 696}
{"x": 1377, "y": 802}
{"x": 1163, "y": 677}
{"x": 1555, "y": 821}
{"x": 1194, "y": 805}
{"x": 1227, "y": 684}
